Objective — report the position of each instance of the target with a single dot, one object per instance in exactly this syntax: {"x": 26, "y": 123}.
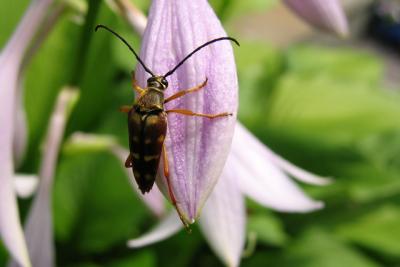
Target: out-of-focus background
{"x": 329, "y": 105}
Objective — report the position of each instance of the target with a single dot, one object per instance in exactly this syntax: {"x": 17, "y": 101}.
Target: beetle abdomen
{"x": 146, "y": 137}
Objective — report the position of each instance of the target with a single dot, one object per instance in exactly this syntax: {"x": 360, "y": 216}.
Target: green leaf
{"x": 368, "y": 183}
{"x": 84, "y": 264}
{"x": 315, "y": 248}
{"x": 319, "y": 248}
{"x": 322, "y": 110}
{"x": 184, "y": 247}
{"x": 228, "y": 10}
{"x": 94, "y": 204}
{"x": 10, "y": 15}
{"x": 378, "y": 230}
{"x": 3, "y": 255}
{"x": 313, "y": 100}
{"x": 268, "y": 228}
{"x": 142, "y": 259}
{"x": 344, "y": 64}
{"x": 383, "y": 150}
{"x": 124, "y": 58}
{"x": 259, "y": 68}
{"x": 99, "y": 77}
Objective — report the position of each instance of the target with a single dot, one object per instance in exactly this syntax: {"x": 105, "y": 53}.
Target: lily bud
{"x": 327, "y": 15}
{"x": 197, "y": 147}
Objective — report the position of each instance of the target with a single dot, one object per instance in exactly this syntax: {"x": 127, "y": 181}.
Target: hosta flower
{"x": 251, "y": 170}
{"x": 255, "y": 172}
{"x": 327, "y": 15}
{"x": 38, "y": 226}
{"x": 10, "y": 61}
{"x": 197, "y": 147}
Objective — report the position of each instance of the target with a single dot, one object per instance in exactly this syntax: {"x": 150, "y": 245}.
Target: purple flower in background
{"x": 197, "y": 147}
{"x": 251, "y": 170}
{"x": 327, "y": 15}
{"x": 10, "y": 62}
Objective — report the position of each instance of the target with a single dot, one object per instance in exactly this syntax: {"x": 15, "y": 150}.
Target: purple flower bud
{"x": 327, "y": 15}
{"x": 197, "y": 147}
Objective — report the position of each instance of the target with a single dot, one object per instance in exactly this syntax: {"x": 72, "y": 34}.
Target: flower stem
{"x": 83, "y": 47}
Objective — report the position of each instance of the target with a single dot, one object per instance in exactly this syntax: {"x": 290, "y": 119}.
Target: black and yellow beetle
{"x": 147, "y": 121}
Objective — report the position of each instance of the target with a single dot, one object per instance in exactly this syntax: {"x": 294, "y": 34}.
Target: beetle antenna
{"x": 130, "y": 47}
{"x": 197, "y": 49}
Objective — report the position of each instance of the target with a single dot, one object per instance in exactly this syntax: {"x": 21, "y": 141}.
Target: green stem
{"x": 224, "y": 9}
{"x": 86, "y": 37}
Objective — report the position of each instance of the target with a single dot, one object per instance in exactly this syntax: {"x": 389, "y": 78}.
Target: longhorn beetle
{"x": 147, "y": 121}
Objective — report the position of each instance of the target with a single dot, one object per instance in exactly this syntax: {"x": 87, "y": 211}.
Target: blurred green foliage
{"x": 322, "y": 108}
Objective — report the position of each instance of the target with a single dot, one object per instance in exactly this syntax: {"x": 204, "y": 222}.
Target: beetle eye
{"x": 165, "y": 82}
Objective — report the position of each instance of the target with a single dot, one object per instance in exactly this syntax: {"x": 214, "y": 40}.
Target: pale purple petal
{"x": 261, "y": 179}
{"x": 223, "y": 220}
{"x": 21, "y": 126}
{"x": 241, "y": 133}
{"x": 294, "y": 171}
{"x": 21, "y": 129}
{"x": 197, "y": 147}
{"x": 38, "y": 227}
{"x": 324, "y": 14}
{"x": 10, "y": 227}
{"x": 38, "y": 230}
{"x": 10, "y": 60}
{"x": 154, "y": 200}
{"x": 25, "y": 185}
{"x": 167, "y": 227}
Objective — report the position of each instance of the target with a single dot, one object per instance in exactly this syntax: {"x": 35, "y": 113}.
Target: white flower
{"x": 197, "y": 147}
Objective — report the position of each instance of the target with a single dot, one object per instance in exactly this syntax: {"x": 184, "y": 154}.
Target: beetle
{"x": 147, "y": 120}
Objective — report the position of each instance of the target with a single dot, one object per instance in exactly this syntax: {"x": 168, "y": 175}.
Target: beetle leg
{"x": 191, "y": 113}
{"x": 166, "y": 174}
{"x": 170, "y": 192}
{"x": 187, "y": 91}
{"x": 128, "y": 161}
{"x": 135, "y": 86}
{"x": 125, "y": 109}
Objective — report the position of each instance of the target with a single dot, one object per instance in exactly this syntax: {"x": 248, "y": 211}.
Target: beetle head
{"x": 158, "y": 82}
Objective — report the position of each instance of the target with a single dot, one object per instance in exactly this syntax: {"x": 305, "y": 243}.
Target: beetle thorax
{"x": 152, "y": 99}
